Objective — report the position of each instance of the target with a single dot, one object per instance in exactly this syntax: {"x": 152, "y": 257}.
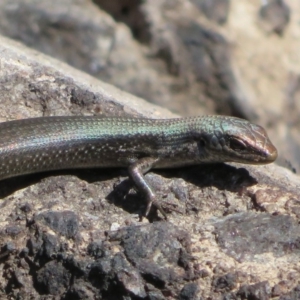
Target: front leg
{"x": 136, "y": 173}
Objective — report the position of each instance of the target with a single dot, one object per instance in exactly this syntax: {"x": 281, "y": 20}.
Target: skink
{"x": 53, "y": 143}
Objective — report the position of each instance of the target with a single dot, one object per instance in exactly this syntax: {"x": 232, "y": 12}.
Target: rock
{"x": 215, "y": 10}
{"x": 184, "y": 58}
{"x": 275, "y": 16}
{"x": 77, "y": 233}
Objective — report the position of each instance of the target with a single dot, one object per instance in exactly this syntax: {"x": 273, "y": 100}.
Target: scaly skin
{"x": 53, "y": 143}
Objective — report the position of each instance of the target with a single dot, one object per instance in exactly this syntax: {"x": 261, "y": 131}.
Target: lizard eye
{"x": 237, "y": 145}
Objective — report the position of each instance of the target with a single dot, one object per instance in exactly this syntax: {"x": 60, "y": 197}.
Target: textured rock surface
{"x": 233, "y": 229}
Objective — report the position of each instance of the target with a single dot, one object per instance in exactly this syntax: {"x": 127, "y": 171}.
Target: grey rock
{"x": 275, "y": 15}
{"x": 215, "y": 10}
{"x": 106, "y": 245}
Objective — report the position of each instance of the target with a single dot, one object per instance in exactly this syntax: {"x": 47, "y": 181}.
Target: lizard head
{"x": 228, "y": 139}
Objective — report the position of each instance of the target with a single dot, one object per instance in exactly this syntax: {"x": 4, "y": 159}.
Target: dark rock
{"x": 129, "y": 12}
{"x": 243, "y": 236}
{"x": 258, "y": 291}
{"x": 215, "y": 10}
{"x": 226, "y": 282}
{"x": 26, "y": 208}
{"x": 64, "y": 223}
{"x": 190, "y": 292}
{"x": 50, "y": 246}
{"x": 52, "y": 279}
{"x": 166, "y": 241}
{"x": 275, "y": 15}
{"x": 115, "y": 271}
{"x": 81, "y": 290}
{"x": 96, "y": 249}
{"x": 13, "y": 230}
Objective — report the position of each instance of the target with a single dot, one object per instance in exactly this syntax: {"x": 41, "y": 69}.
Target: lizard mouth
{"x": 271, "y": 153}
{"x": 268, "y": 156}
